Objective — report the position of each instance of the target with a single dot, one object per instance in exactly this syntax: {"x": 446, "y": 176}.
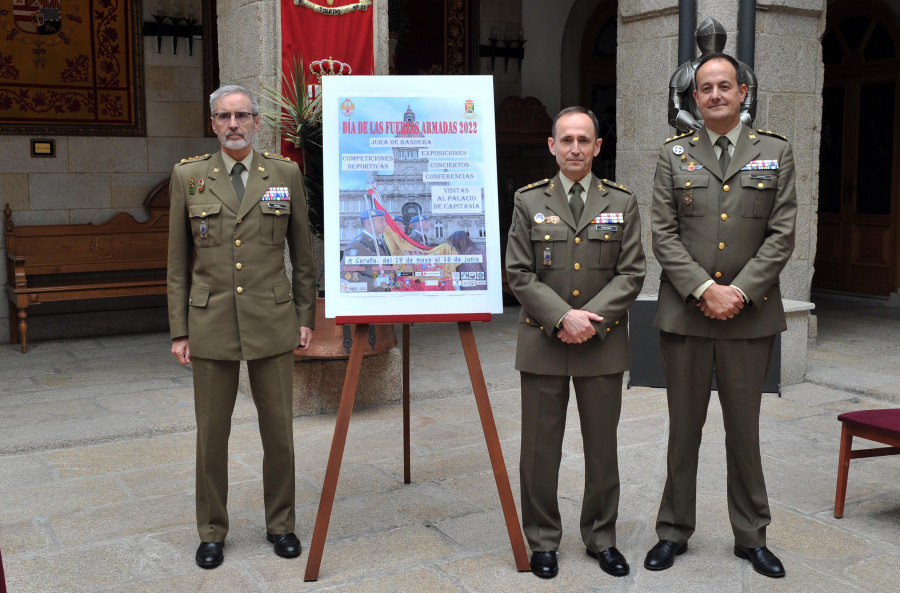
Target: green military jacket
{"x": 554, "y": 264}
{"x": 733, "y": 227}
{"x": 228, "y": 288}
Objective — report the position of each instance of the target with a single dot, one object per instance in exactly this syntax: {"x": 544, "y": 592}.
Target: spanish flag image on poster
{"x": 411, "y": 213}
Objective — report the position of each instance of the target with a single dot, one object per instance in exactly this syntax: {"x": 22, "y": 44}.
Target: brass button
{"x": 278, "y": 213}
{"x": 726, "y": 187}
{"x": 608, "y": 329}
{"x": 240, "y": 290}
{"x": 203, "y": 213}
{"x": 240, "y": 220}
{"x": 617, "y": 322}
{"x": 238, "y": 265}
{"x": 687, "y": 184}
{"x": 765, "y": 298}
{"x": 237, "y": 243}
{"x": 528, "y": 320}
{"x": 721, "y": 245}
{"x": 760, "y": 184}
{"x": 542, "y": 327}
{"x": 724, "y": 216}
{"x": 290, "y": 295}
{"x": 577, "y": 266}
{"x": 718, "y": 274}
{"x": 606, "y": 237}
{"x": 546, "y": 237}
{"x": 575, "y": 293}
{"x": 191, "y": 301}
{"x": 577, "y": 240}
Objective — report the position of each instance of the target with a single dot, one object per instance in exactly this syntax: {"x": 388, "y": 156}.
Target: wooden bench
{"x": 64, "y": 262}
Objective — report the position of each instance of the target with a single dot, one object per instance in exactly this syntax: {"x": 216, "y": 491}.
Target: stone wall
{"x": 789, "y": 68}
{"x": 91, "y": 178}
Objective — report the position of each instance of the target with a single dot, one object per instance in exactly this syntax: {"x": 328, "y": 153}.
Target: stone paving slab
{"x": 96, "y": 478}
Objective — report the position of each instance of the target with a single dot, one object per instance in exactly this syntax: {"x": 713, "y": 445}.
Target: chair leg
{"x": 840, "y": 493}
{"x": 13, "y": 329}
{"x": 23, "y": 330}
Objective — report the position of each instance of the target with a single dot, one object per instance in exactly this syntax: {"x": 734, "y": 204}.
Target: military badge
{"x": 552, "y": 220}
{"x": 539, "y": 217}
{"x": 200, "y": 185}
{"x": 190, "y": 185}
{"x": 678, "y": 149}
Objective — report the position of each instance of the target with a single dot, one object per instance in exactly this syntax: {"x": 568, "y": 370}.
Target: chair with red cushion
{"x": 881, "y": 426}
{"x": 2, "y": 577}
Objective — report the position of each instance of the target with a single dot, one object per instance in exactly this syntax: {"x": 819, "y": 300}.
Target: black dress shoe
{"x": 286, "y": 545}
{"x": 764, "y": 562}
{"x": 544, "y": 564}
{"x": 210, "y": 554}
{"x": 662, "y": 555}
{"x": 611, "y": 561}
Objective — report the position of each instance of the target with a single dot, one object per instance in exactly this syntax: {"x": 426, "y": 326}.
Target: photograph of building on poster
{"x": 412, "y": 202}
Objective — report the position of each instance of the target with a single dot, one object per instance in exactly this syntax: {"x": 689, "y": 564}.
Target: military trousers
{"x": 740, "y": 367}
{"x": 544, "y": 402}
{"x": 215, "y": 393}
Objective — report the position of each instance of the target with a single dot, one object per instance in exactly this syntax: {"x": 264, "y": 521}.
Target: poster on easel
{"x": 410, "y": 193}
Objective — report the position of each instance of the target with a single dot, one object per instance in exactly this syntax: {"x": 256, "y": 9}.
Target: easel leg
{"x": 348, "y": 395}
{"x": 493, "y": 446}
{"x": 406, "y": 470}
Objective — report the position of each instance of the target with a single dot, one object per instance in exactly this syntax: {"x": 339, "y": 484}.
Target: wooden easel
{"x": 348, "y": 395}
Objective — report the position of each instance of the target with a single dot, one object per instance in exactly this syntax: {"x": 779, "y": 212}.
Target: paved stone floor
{"x": 96, "y": 477}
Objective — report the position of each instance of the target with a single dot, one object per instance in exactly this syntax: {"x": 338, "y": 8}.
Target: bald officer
{"x": 575, "y": 262}
{"x": 231, "y": 300}
{"x": 723, "y": 215}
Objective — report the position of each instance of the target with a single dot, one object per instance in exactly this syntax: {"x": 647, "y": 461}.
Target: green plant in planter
{"x": 298, "y": 119}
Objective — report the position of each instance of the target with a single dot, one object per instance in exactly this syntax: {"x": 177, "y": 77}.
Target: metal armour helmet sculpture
{"x": 683, "y": 111}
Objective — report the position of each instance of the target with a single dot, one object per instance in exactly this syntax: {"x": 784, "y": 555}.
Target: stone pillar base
{"x": 318, "y": 382}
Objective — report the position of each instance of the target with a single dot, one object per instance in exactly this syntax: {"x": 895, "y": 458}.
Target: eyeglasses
{"x": 242, "y": 117}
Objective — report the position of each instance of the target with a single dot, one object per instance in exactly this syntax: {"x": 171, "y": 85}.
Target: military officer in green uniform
{"x": 723, "y": 214}
{"x": 230, "y": 299}
{"x": 575, "y": 263}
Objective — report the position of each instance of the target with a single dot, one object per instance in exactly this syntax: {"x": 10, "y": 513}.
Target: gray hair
{"x": 230, "y": 89}
{"x": 576, "y": 109}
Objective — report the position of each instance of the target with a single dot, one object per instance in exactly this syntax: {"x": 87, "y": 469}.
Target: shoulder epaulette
{"x": 535, "y": 184}
{"x": 679, "y": 136}
{"x": 192, "y": 159}
{"x": 616, "y": 185}
{"x": 771, "y": 133}
{"x": 271, "y": 155}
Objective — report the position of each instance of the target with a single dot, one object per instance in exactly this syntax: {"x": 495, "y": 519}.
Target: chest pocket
{"x": 549, "y": 242}
{"x": 604, "y": 245}
{"x": 206, "y": 224}
{"x": 274, "y": 221}
{"x": 691, "y": 193}
{"x": 758, "y": 193}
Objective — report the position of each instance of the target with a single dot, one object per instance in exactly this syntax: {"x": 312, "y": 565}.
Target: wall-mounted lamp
{"x": 173, "y": 26}
{"x": 504, "y": 48}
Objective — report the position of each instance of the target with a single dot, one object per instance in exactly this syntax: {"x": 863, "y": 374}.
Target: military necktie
{"x": 576, "y": 204}
{"x": 724, "y": 157}
{"x": 236, "y": 180}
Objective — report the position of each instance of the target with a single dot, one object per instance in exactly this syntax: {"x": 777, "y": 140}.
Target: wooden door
{"x": 859, "y": 168}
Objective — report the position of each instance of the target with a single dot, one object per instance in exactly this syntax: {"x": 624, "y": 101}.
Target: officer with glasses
{"x": 231, "y": 299}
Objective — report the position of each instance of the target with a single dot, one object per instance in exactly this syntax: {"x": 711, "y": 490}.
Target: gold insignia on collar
{"x": 752, "y": 136}
{"x": 215, "y": 169}
{"x": 696, "y": 138}
{"x": 261, "y": 168}
{"x": 550, "y": 187}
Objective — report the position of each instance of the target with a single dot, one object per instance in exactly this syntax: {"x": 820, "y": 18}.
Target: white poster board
{"x": 410, "y": 195}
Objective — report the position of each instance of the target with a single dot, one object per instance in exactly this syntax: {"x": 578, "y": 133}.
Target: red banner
{"x": 333, "y": 37}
